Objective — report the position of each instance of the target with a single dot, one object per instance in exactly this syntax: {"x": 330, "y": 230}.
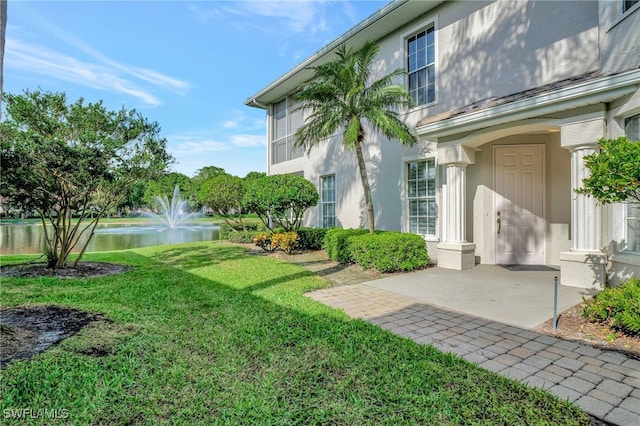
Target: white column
{"x": 585, "y": 212}
{"x": 453, "y": 250}
{"x": 585, "y": 264}
{"x": 454, "y": 194}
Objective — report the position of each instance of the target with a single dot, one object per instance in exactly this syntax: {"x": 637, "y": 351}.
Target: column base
{"x": 584, "y": 269}
{"x": 458, "y": 256}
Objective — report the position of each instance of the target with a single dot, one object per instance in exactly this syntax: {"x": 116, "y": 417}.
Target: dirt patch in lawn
{"x": 83, "y": 270}
{"x": 26, "y": 331}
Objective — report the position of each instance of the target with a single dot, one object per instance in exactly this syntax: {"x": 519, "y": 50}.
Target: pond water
{"x": 29, "y": 238}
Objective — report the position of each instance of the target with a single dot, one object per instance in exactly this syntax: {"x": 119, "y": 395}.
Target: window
{"x": 328, "y": 200}
{"x": 632, "y": 130}
{"x": 421, "y": 67}
{"x": 421, "y": 194}
{"x": 286, "y": 120}
{"x": 632, "y": 127}
{"x": 628, "y": 4}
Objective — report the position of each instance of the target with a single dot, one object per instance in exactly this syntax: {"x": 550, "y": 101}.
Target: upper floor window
{"x": 628, "y": 4}
{"x": 421, "y": 194}
{"x": 285, "y": 121}
{"x": 421, "y": 67}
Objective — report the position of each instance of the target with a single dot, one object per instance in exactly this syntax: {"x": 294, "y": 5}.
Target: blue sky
{"x": 189, "y": 65}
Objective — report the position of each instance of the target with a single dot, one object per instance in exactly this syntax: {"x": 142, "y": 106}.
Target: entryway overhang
{"x": 498, "y": 112}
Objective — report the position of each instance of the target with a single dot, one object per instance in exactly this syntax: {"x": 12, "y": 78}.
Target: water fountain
{"x": 171, "y": 229}
{"x": 173, "y": 211}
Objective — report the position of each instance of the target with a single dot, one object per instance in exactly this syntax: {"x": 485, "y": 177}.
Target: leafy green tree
{"x": 204, "y": 174}
{"x": 65, "y": 160}
{"x": 342, "y": 98}
{"x": 280, "y": 199}
{"x": 134, "y": 198}
{"x": 614, "y": 172}
{"x": 254, "y": 175}
{"x": 164, "y": 186}
{"x": 225, "y": 195}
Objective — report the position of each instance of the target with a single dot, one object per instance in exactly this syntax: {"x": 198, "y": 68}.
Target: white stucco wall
{"x": 619, "y": 43}
{"x": 493, "y": 49}
{"x": 485, "y": 50}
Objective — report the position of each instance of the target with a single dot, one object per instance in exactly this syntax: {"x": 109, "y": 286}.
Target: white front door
{"x": 519, "y": 204}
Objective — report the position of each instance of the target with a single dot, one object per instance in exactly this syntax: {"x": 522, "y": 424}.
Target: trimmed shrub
{"x": 311, "y": 238}
{"x": 226, "y": 229}
{"x": 336, "y": 243}
{"x": 617, "y": 306}
{"x": 286, "y": 241}
{"x": 263, "y": 240}
{"x": 389, "y": 251}
{"x": 243, "y": 237}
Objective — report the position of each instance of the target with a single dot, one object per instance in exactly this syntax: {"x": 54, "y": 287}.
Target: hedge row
{"x": 337, "y": 244}
{"x": 389, "y": 251}
{"x": 307, "y": 238}
{"x": 383, "y": 251}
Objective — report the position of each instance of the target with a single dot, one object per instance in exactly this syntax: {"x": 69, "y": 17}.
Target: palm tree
{"x": 341, "y": 98}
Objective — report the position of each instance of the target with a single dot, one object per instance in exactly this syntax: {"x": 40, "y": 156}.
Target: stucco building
{"x": 510, "y": 96}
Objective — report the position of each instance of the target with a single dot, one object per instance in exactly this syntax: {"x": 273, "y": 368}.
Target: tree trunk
{"x": 365, "y": 185}
{"x": 3, "y": 26}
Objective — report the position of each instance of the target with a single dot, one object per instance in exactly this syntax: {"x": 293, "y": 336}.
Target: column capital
{"x": 582, "y": 134}
{"x": 456, "y": 155}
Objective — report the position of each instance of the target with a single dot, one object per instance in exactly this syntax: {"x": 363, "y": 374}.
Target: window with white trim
{"x": 421, "y": 70}
{"x": 632, "y": 210}
{"x": 285, "y": 121}
{"x": 421, "y": 196}
{"x": 328, "y": 200}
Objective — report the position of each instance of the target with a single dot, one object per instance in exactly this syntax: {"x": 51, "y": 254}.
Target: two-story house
{"x": 509, "y": 98}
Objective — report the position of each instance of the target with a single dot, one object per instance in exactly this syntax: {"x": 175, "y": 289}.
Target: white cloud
{"x": 290, "y": 16}
{"x": 200, "y": 142}
{"x": 39, "y": 60}
{"x": 248, "y": 140}
{"x": 87, "y": 67}
{"x": 236, "y": 153}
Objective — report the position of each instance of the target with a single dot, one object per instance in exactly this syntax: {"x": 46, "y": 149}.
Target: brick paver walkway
{"x": 605, "y": 384}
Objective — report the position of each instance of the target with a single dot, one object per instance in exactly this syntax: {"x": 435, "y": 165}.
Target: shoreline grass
{"x": 204, "y": 333}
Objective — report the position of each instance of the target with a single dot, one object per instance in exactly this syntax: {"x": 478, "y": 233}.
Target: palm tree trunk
{"x": 365, "y": 186}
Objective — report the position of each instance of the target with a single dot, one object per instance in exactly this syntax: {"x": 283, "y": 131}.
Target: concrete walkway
{"x": 605, "y": 384}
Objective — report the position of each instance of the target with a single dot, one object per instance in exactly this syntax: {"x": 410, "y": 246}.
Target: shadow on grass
{"x": 276, "y": 358}
{"x": 194, "y": 256}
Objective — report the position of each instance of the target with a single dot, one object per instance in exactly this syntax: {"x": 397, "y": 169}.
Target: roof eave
{"x": 352, "y": 38}
{"x": 604, "y": 89}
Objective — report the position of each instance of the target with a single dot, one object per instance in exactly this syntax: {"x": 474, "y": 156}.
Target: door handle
{"x": 499, "y": 221}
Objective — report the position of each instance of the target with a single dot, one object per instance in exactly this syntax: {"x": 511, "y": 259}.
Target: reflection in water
{"x": 29, "y": 238}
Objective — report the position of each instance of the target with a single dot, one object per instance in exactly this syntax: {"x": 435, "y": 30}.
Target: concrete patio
{"x": 521, "y": 296}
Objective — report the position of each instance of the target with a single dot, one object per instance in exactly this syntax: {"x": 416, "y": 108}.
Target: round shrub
{"x": 336, "y": 243}
{"x": 389, "y": 251}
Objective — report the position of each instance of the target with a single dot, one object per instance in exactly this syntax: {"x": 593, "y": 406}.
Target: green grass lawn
{"x": 204, "y": 333}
